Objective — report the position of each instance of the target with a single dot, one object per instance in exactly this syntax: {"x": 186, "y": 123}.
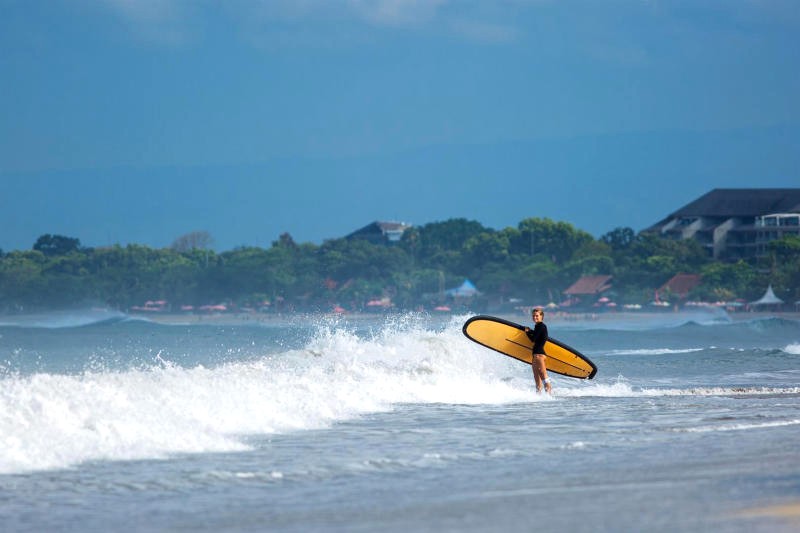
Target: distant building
{"x": 587, "y": 288}
{"x": 734, "y": 224}
{"x": 680, "y": 285}
{"x": 466, "y": 290}
{"x": 769, "y": 300}
{"x": 381, "y": 232}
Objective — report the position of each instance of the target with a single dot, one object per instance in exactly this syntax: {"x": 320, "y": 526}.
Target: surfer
{"x": 539, "y": 336}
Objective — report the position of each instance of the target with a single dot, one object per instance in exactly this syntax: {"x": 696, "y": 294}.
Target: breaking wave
{"x": 54, "y": 420}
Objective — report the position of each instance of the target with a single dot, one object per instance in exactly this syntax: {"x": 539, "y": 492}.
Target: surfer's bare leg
{"x": 537, "y": 378}
{"x": 540, "y": 373}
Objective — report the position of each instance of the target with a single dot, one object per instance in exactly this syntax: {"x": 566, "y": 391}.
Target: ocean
{"x": 399, "y": 423}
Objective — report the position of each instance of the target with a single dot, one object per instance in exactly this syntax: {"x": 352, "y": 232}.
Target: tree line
{"x": 533, "y": 262}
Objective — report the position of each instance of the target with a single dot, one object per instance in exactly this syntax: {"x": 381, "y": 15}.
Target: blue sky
{"x": 141, "y": 120}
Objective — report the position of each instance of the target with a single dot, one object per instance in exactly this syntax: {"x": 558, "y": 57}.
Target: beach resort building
{"x": 587, "y": 290}
{"x": 735, "y": 224}
{"x": 680, "y": 285}
{"x": 381, "y": 232}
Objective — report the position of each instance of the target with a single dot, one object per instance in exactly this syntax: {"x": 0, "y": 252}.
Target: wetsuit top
{"x": 538, "y": 335}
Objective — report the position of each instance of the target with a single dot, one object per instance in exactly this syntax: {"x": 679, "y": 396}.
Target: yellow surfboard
{"x": 510, "y": 339}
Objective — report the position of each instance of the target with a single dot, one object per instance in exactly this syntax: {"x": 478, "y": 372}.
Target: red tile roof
{"x": 681, "y": 284}
{"x": 589, "y": 285}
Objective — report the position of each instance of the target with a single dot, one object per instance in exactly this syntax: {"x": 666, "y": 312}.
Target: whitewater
{"x": 394, "y": 423}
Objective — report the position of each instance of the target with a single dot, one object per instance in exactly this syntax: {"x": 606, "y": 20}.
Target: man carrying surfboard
{"x": 539, "y": 337}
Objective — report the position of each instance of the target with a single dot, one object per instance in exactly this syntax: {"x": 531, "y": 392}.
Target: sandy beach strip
{"x": 787, "y": 510}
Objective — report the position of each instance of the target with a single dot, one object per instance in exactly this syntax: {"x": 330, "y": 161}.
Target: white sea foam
{"x": 793, "y": 349}
{"x": 577, "y": 445}
{"x": 56, "y": 421}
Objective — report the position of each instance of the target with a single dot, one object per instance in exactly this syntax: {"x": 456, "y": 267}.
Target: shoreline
{"x": 243, "y": 319}
{"x": 616, "y": 319}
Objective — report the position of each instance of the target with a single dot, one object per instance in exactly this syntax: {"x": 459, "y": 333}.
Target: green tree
{"x": 619, "y": 238}
{"x": 199, "y": 240}
{"x": 593, "y": 249}
{"x": 786, "y": 250}
{"x": 651, "y": 260}
{"x": 67, "y": 280}
{"x": 535, "y": 260}
{"x": 784, "y": 258}
{"x": 590, "y": 265}
{"x": 540, "y": 278}
{"x": 283, "y": 270}
{"x": 723, "y": 281}
{"x": 485, "y": 247}
{"x": 343, "y": 259}
{"x": 51, "y": 245}
{"x": 436, "y": 237}
{"x": 21, "y": 280}
{"x": 241, "y": 272}
{"x": 557, "y": 240}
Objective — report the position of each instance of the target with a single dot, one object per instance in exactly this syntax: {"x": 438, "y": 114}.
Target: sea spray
{"x": 55, "y": 420}
{"x": 210, "y": 401}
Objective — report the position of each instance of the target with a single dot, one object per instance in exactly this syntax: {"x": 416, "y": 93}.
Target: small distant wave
{"x": 63, "y": 319}
{"x": 655, "y": 351}
{"x": 625, "y": 390}
{"x": 768, "y": 323}
{"x": 765, "y": 326}
{"x": 723, "y": 391}
{"x": 739, "y": 427}
{"x": 684, "y": 322}
{"x": 645, "y": 321}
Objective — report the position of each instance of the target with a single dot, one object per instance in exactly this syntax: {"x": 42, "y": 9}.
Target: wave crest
{"x": 63, "y": 319}
{"x": 56, "y": 421}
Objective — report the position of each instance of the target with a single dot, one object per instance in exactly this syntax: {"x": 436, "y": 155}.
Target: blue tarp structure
{"x": 465, "y": 290}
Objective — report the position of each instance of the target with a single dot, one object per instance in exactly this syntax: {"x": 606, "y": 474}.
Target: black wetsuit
{"x": 538, "y": 336}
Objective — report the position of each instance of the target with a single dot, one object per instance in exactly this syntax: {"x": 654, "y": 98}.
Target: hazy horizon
{"x": 140, "y": 122}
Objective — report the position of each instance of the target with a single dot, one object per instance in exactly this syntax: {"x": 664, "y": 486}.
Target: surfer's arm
{"x": 529, "y": 333}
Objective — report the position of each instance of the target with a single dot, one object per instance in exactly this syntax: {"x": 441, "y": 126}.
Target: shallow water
{"x": 395, "y": 424}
